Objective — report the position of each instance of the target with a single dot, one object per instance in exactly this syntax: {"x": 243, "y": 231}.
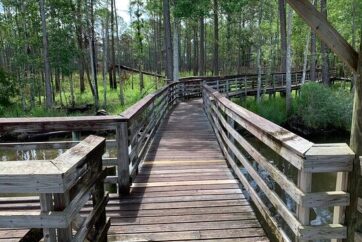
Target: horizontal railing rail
{"x": 65, "y": 185}
{"x": 307, "y": 158}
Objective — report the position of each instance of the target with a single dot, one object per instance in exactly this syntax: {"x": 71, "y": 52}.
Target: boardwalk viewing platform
{"x": 183, "y": 169}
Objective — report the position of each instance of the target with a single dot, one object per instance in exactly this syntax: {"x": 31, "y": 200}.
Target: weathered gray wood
{"x": 61, "y": 201}
{"x": 46, "y": 204}
{"x": 328, "y": 158}
{"x": 123, "y": 168}
{"x": 30, "y": 176}
{"x": 82, "y": 123}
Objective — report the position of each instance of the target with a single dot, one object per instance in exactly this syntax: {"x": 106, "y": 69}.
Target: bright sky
{"x": 122, "y": 9}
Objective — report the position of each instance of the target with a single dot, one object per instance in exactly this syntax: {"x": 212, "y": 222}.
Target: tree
{"x": 48, "y": 87}
{"x": 289, "y": 62}
{"x": 92, "y": 53}
{"x": 216, "y": 38}
{"x": 168, "y": 39}
{"x": 325, "y": 51}
{"x": 283, "y": 34}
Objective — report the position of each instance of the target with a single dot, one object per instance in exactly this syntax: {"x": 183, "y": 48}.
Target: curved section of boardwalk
{"x": 184, "y": 190}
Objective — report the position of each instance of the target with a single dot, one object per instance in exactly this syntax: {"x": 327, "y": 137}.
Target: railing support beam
{"x": 124, "y": 182}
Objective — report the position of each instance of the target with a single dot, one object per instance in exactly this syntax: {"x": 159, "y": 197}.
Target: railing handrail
{"x": 307, "y": 157}
{"x": 65, "y": 185}
{"x": 275, "y": 132}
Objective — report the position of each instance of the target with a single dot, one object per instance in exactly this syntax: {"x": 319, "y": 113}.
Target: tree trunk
{"x": 202, "y": 47}
{"x": 228, "y": 45}
{"x": 48, "y": 87}
{"x": 195, "y": 59}
{"x": 258, "y": 94}
{"x": 325, "y": 51}
{"x": 289, "y": 63}
{"x": 168, "y": 39}
{"x": 93, "y": 56}
{"x": 283, "y": 38}
{"x": 121, "y": 82}
{"x": 305, "y": 61}
{"x": 79, "y": 31}
{"x": 112, "y": 74}
{"x": 216, "y": 39}
{"x": 313, "y": 57}
{"x": 105, "y": 66}
{"x": 175, "y": 50}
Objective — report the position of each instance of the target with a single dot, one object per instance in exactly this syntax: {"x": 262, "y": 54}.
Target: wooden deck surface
{"x": 184, "y": 191}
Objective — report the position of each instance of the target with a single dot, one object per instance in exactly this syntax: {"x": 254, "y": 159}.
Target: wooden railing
{"x": 240, "y": 85}
{"x": 307, "y": 158}
{"x": 64, "y": 186}
{"x": 132, "y": 132}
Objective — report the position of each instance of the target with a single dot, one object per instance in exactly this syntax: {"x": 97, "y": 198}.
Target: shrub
{"x": 7, "y": 88}
{"x": 320, "y": 107}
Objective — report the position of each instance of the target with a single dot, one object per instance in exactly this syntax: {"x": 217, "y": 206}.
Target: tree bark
{"x": 168, "y": 39}
{"x": 216, "y": 39}
{"x": 305, "y": 61}
{"x": 195, "y": 61}
{"x": 289, "y": 63}
{"x": 93, "y": 56}
{"x": 121, "y": 82}
{"x": 202, "y": 46}
{"x": 313, "y": 57}
{"x": 175, "y": 50}
{"x": 79, "y": 30}
{"x": 48, "y": 87}
{"x": 112, "y": 74}
{"x": 325, "y": 51}
{"x": 283, "y": 38}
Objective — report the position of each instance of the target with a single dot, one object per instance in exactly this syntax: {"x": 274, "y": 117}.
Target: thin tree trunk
{"x": 93, "y": 56}
{"x": 121, "y": 82}
{"x": 48, "y": 87}
{"x": 168, "y": 39}
{"x": 305, "y": 61}
{"x": 195, "y": 61}
{"x": 175, "y": 50}
{"x": 289, "y": 63}
{"x": 72, "y": 90}
{"x": 283, "y": 38}
{"x": 202, "y": 46}
{"x": 105, "y": 66}
{"x": 313, "y": 57}
{"x": 258, "y": 95}
{"x": 112, "y": 74}
{"x": 325, "y": 51}
{"x": 216, "y": 38}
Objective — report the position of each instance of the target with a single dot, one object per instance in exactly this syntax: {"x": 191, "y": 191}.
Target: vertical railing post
{"x": 305, "y": 185}
{"x": 46, "y": 204}
{"x": 123, "y": 158}
{"x": 98, "y": 195}
{"x": 61, "y": 201}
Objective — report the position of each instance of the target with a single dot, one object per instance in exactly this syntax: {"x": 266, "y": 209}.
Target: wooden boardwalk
{"x": 184, "y": 190}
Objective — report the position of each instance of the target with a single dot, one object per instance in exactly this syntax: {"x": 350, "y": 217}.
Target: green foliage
{"x": 272, "y": 109}
{"x": 320, "y": 107}
{"x": 317, "y": 107}
{"x": 7, "y": 89}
